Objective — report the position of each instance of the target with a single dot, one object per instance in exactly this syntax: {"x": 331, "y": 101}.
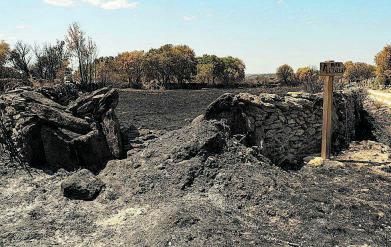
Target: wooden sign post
{"x": 328, "y": 69}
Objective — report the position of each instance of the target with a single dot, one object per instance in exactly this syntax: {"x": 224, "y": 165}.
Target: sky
{"x": 263, "y": 33}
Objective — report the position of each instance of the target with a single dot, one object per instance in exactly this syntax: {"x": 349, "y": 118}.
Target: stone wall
{"x": 287, "y": 128}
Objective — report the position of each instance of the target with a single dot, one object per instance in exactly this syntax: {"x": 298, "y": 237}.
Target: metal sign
{"x": 331, "y": 68}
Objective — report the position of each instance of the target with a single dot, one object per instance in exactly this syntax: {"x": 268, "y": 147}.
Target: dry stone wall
{"x": 288, "y": 128}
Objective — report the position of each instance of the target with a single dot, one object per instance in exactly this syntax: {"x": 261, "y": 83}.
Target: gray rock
{"x": 51, "y": 136}
{"x": 198, "y": 119}
{"x": 53, "y": 141}
{"x": 95, "y": 104}
{"x": 93, "y": 150}
{"x": 128, "y": 134}
{"x": 61, "y": 93}
{"x": 82, "y": 185}
{"x": 111, "y": 130}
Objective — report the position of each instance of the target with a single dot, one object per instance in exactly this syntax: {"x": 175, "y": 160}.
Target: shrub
{"x": 313, "y": 86}
{"x": 285, "y": 74}
{"x": 309, "y": 77}
{"x": 379, "y": 83}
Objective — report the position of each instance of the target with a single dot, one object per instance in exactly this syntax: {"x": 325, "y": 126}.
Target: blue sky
{"x": 263, "y": 33}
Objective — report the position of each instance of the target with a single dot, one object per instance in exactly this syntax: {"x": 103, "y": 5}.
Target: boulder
{"x": 82, "y": 185}
{"x": 128, "y": 134}
{"x": 51, "y": 135}
{"x": 93, "y": 150}
{"x": 112, "y": 131}
{"x": 61, "y": 93}
{"x": 58, "y": 149}
{"x": 95, "y": 104}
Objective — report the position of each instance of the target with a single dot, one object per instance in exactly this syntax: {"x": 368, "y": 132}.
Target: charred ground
{"x": 173, "y": 109}
{"x": 200, "y": 186}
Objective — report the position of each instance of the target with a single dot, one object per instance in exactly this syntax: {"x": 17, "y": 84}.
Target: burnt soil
{"x": 173, "y": 109}
{"x": 197, "y": 186}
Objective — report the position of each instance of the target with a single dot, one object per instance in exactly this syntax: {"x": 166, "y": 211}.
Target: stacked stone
{"x": 287, "y": 128}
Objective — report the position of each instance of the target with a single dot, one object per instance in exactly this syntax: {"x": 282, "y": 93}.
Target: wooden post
{"x": 327, "y": 117}
{"x": 328, "y": 69}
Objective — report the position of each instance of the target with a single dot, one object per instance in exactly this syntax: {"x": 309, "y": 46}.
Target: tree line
{"x": 169, "y": 64}
{"x": 50, "y": 61}
{"x": 159, "y": 66}
{"x": 354, "y": 72}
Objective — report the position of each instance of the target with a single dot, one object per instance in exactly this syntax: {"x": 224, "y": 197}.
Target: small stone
{"x": 282, "y": 119}
{"x": 276, "y": 125}
{"x": 161, "y": 167}
{"x": 315, "y": 161}
{"x": 82, "y": 185}
{"x": 311, "y": 131}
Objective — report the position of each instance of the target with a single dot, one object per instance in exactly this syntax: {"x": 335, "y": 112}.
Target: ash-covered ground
{"x": 173, "y": 109}
{"x": 199, "y": 186}
{"x": 195, "y": 187}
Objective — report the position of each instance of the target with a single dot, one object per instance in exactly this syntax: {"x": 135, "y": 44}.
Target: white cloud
{"x": 113, "y": 4}
{"x": 61, "y": 3}
{"x": 189, "y": 18}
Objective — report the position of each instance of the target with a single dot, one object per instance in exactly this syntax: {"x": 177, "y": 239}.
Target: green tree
{"x": 226, "y": 70}
{"x": 152, "y": 66}
{"x": 358, "y": 71}
{"x": 285, "y": 74}
{"x": 383, "y": 69}
{"x": 383, "y": 60}
{"x": 205, "y": 73}
{"x": 309, "y": 77}
{"x": 165, "y": 62}
{"x": 234, "y": 70}
{"x": 307, "y": 73}
{"x": 184, "y": 63}
{"x": 216, "y": 63}
{"x": 170, "y": 63}
{"x": 108, "y": 71}
{"x": 156, "y": 66}
{"x": 131, "y": 67}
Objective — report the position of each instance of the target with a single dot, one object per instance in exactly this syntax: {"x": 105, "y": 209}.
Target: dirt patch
{"x": 369, "y": 154}
{"x": 382, "y": 97}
